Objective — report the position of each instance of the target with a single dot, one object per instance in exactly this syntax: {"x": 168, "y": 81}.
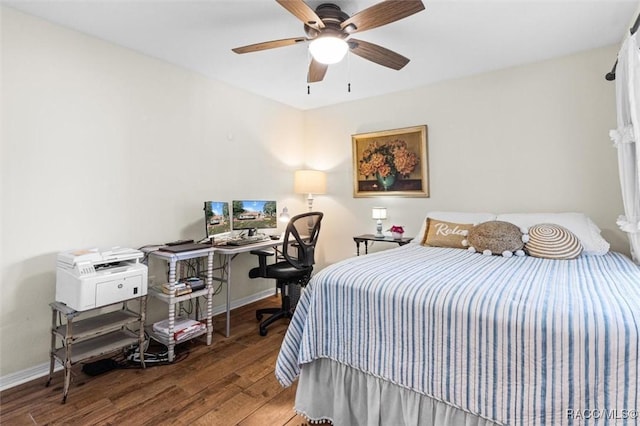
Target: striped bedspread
{"x": 520, "y": 340}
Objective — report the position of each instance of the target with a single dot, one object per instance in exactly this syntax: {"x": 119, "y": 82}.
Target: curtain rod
{"x": 612, "y": 74}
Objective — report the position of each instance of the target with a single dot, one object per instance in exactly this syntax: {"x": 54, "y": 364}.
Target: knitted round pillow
{"x": 551, "y": 241}
{"x": 496, "y": 237}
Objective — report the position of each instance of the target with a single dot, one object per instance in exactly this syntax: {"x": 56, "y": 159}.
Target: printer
{"x": 89, "y": 278}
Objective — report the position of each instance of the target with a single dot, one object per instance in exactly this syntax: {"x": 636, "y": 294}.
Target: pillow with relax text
{"x": 453, "y": 217}
{"x": 439, "y": 233}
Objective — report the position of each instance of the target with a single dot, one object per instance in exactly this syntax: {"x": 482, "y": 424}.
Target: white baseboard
{"x": 24, "y": 376}
{"x": 245, "y": 301}
{"x": 41, "y": 370}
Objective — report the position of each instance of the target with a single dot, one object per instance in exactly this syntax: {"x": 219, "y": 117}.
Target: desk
{"x": 229, "y": 253}
{"x": 370, "y": 237}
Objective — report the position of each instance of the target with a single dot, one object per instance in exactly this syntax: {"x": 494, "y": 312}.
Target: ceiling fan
{"x": 329, "y": 31}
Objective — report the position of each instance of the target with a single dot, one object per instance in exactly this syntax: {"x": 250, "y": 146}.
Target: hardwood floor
{"x": 231, "y": 382}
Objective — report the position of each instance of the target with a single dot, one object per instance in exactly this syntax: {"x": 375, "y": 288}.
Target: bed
{"x": 422, "y": 335}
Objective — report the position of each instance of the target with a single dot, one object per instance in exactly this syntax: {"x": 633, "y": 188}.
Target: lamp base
{"x": 310, "y": 202}
{"x": 378, "y": 233}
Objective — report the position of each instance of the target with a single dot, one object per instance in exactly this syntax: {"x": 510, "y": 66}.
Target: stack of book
{"x": 183, "y": 328}
{"x": 179, "y": 288}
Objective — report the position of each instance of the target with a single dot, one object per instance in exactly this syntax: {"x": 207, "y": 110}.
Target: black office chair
{"x": 300, "y": 237}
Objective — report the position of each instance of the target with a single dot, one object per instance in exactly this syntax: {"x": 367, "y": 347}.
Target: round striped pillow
{"x": 551, "y": 241}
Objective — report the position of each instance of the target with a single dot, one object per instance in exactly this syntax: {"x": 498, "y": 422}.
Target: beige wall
{"x": 102, "y": 146}
{"x": 530, "y": 138}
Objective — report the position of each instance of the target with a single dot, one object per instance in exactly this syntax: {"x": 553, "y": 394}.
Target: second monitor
{"x": 254, "y": 214}
{"x": 216, "y": 218}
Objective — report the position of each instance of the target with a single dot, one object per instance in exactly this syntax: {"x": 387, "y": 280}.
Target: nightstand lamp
{"x": 380, "y": 214}
{"x": 310, "y": 182}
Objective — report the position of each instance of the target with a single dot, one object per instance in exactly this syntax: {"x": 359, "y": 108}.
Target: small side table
{"x": 370, "y": 237}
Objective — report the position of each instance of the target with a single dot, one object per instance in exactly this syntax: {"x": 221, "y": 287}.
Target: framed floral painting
{"x": 391, "y": 162}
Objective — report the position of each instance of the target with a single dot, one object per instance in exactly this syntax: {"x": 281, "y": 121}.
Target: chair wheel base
{"x": 263, "y": 331}
{"x": 258, "y": 316}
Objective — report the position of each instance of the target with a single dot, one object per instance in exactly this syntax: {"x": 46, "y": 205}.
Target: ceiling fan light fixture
{"x": 328, "y": 49}
{"x": 328, "y": 28}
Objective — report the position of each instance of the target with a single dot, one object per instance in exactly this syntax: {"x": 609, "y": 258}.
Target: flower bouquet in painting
{"x": 388, "y": 161}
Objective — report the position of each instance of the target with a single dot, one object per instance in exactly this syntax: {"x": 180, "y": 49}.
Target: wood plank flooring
{"x": 231, "y": 382}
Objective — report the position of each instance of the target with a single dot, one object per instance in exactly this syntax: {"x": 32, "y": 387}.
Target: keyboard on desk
{"x": 247, "y": 240}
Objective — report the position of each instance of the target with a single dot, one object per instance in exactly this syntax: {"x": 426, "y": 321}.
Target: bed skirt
{"x": 331, "y": 391}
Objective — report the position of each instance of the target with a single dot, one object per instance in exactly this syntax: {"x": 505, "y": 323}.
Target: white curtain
{"x": 627, "y": 139}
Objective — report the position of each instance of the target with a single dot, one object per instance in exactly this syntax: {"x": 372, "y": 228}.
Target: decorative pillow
{"x": 445, "y": 234}
{"x": 579, "y": 223}
{"x": 551, "y": 241}
{"x": 454, "y": 217}
{"x": 496, "y": 237}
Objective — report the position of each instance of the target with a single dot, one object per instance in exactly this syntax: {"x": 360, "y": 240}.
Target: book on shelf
{"x": 183, "y": 328}
{"x": 178, "y": 288}
{"x": 189, "y": 332}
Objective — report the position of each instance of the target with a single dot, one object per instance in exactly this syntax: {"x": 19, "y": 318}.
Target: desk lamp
{"x": 380, "y": 214}
{"x": 310, "y": 182}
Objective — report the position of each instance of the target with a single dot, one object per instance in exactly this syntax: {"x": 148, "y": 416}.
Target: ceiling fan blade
{"x": 377, "y": 54}
{"x": 303, "y": 12}
{"x": 381, "y": 14}
{"x": 316, "y": 71}
{"x": 269, "y": 45}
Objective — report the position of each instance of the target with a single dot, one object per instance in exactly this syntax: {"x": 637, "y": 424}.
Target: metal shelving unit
{"x": 95, "y": 336}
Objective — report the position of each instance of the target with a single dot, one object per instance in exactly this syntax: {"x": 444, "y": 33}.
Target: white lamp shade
{"x": 328, "y": 50}
{"x": 379, "y": 213}
{"x": 310, "y": 182}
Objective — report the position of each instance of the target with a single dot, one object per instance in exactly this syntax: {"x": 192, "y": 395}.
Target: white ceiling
{"x": 449, "y": 39}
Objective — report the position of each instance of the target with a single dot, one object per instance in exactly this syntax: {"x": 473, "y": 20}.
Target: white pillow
{"x": 455, "y": 217}
{"x": 579, "y": 223}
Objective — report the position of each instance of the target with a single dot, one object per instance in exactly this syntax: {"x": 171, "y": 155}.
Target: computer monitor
{"x": 216, "y": 218}
{"x": 254, "y": 214}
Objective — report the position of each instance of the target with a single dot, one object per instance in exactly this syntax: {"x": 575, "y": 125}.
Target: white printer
{"x": 88, "y": 279}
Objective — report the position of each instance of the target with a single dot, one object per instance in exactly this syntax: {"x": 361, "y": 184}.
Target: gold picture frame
{"x": 391, "y": 163}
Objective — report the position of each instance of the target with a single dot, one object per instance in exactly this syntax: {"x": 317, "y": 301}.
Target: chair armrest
{"x": 262, "y": 260}
{"x": 262, "y": 252}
